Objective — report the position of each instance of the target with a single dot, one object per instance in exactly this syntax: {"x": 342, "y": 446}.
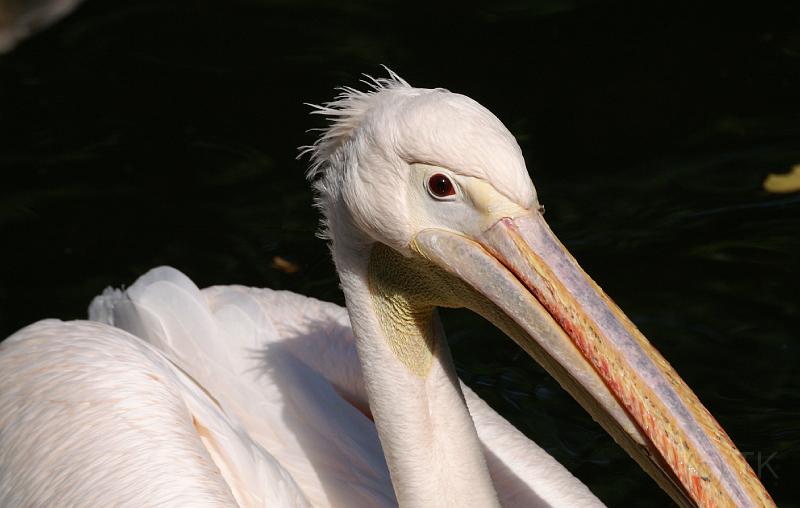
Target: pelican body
{"x": 234, "y": 396}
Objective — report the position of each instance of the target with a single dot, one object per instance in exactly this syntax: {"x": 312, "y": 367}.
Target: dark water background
{"x": 134, "y": 134}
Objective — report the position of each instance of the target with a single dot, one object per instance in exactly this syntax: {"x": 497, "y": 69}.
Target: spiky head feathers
{"x": 361, "y": 162}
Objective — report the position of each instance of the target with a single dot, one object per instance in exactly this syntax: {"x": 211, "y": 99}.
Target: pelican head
{"x": 383, "y": 148}
{"x": 428, "y": 203}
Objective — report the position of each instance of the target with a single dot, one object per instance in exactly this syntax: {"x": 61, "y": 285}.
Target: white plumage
{"x": 226, "y": 395}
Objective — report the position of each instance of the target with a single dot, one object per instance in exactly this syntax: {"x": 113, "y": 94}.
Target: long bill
{"x": 537, "y": 294}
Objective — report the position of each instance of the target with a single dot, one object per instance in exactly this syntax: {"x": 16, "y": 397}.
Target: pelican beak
{"x": 533, "y": 289}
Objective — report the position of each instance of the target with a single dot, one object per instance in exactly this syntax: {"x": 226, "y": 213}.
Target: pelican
{"x": 235, "y": 396}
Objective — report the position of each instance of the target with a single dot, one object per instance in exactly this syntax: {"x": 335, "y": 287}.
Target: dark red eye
{"x": 441, "y": 186}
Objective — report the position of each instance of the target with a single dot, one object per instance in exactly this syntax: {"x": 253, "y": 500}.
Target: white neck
{"x": 428, "y": 437}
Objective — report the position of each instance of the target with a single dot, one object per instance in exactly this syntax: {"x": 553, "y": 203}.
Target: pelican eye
{"x": 441, "y": 186}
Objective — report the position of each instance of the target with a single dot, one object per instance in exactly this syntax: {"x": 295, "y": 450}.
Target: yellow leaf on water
{"x": 284, "y": 265}
{"x": 782, "y": 183}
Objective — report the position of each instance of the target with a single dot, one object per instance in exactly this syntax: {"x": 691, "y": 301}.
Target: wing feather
{"x": 92, "y": 416}
{"x": 290, "y": 388}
